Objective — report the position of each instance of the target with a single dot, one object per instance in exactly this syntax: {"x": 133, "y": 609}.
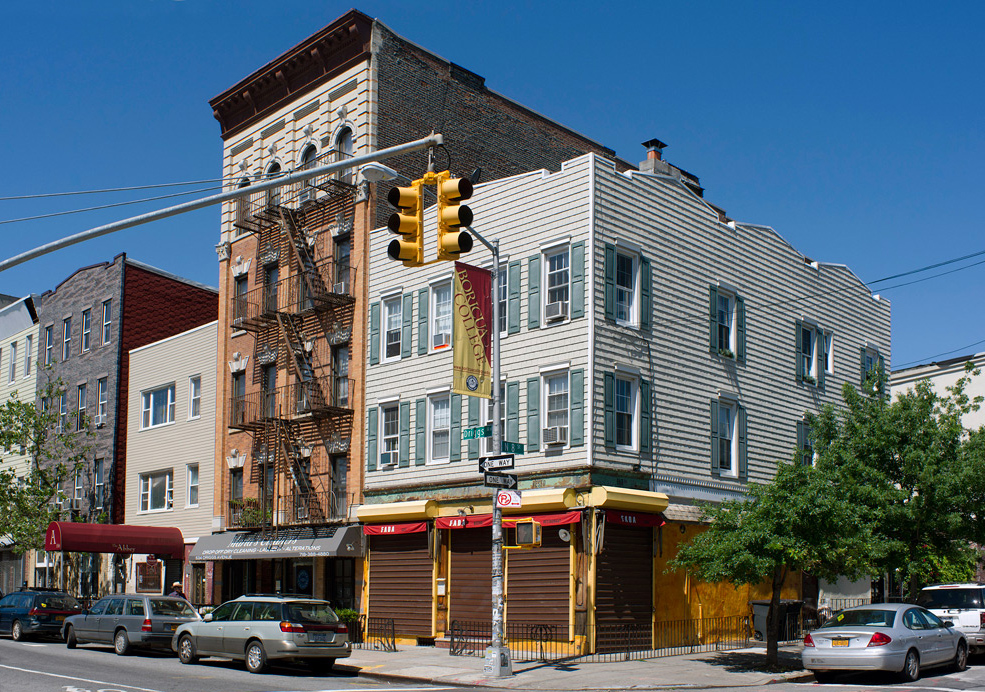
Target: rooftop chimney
{"x": 654, "y": 149}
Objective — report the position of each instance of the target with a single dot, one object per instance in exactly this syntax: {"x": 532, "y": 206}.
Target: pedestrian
{"x": 176, "y": 591}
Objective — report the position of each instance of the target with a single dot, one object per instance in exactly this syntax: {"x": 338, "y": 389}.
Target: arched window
{"x": 242, "y": 203}
{"x": 308, "y": 157}
{"x": 273, "y": 196}
{"x": 343, "y": 149}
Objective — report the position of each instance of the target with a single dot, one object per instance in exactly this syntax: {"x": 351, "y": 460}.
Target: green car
{"x": 258, "y": 629}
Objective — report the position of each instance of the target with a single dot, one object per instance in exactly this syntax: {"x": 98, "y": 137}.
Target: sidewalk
{"x": 739, "y": 668}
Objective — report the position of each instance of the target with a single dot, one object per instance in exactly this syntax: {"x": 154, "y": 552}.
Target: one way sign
{"x": 497, "y": 480}
{"x": 499, "y": 462}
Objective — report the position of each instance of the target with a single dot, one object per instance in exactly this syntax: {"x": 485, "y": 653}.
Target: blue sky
{"x": 854, "y": 129}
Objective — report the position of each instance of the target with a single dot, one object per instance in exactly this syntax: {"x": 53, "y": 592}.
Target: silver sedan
{"x": 896, "y": 637}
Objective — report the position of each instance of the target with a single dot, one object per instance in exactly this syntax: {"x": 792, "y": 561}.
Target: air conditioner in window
{"x": 100, "y": 420}
{"x": 441, "y": 340}
{"x": 388, "y": 459}
{"x": 555, "y": 435}
{"x": 554, "y": 312}
{"x": 341, "y": 288}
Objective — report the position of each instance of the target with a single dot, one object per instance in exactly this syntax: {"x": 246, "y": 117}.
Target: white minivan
{"x": 962, "y": 604}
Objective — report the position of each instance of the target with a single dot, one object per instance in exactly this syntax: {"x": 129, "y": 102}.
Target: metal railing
{"x": 321, "y": 396}
{"x": 249, "y": 513}
{"x": 377, "y": 634}
{"x": 526, "y": 641}
{"x": 327, "y": 285}
{"x": 315, "y": 507}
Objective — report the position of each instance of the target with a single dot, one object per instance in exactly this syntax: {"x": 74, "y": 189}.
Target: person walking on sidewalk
{"x": 176, "y": 591}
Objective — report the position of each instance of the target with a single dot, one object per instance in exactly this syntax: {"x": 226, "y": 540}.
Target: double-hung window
{"x": 340, "y": 376}
{"x": 98, "y": 484}
{"x": 191, "y": 472}
{"x": 156, "y": 491}
{"x": 241, "y": 285}
{"x": 79, "y": 490}
{"x": 871, "y": 364}
{"x": 102, "y": 397}
{"x": 389, "y": 434}
{"x": 86, "y": 329}
{"x": 557, "y": 266}
{"x": 805, "y": 445}
{"x": 49, "y": 344}
{"x": 814, "y": 356}
{"x": 808, "y": 363}
{"x": 439, "y": 428}
{"x": 728, "y": 317}
{"x": 828, "y": 352}
{"x": 158, "y": 407}
{"x": 503, "y": 299}
{"x": 62, "y": 411}
{"x": 80, "y": 420}
{"x": 12, "y": 374}
{"x": 28, "y": 349}
{"x": 441, "y": 316}
{"x": 556, "y": 407}
{"x": 195, "y": 396}
{"x": 626, "y": 404}
{"x": 393, "y": 321}
{"x": 107, "y": 320}
{"x": 728, "y": 438}
{"x": 627, "y": 304}
{"x": 66, "y": 338}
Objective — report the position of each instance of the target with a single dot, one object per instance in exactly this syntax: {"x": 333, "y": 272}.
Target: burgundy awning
{"x": 74, "y": 537}
{"x": 478, "y": 521}
{"x": 394, "y": 529}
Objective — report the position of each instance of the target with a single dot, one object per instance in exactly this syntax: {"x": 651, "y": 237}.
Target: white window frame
{"x": 86, "y": 331}
{"x": 80, "y": 421}
{"x": 808, "y": 445}
{"x": 565, "y": 287}
{"x": 147, "y": 407}
{"x": 49, "y": 343}
{"x": 728, "y": 320}
{"x": 145, "y": 492}
{"x": 390, "y": 443}
{"x": 192, "y": 483}
{"x": 436, "y": 426}
{"x": 12, "y": 373}
{"x": 808, "y": 349}
{"x": 79, "y": 490}
{"x": 98, "y": 483}
{"x": 435, "y": 319}
{"x": 732, "y": 408}
{"x": 102, "y": 398}
{"x": 632, "y": 382}
{"x": 504, "y": 301}
{"x": 194, "y": 397}
{"x": 828, "y": 352}
{"x": 107, "y": 320}
{"x": 632, "y": 316}
{"x": 66, "y": 338}
{"x": 28, "y": 347}
{"x": 392, "y": 309}
{"x": 546, "y": 376}
{"x": 62, "y": 411}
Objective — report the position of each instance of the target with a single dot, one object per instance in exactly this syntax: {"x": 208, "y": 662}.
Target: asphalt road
{"x": 45, "y": 666}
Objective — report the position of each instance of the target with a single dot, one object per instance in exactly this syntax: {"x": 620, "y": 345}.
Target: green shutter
{"x": 533, "y": 293}
{"x": 455, "y": 453}
{"x": 372, "y": 426}
{"x": 405, "y": 332}
{"x": 801, "y": 438}
{"x": 646, "y": 426}
{"x": 578, "y": 279}
{"x": 861, "y": 365}
{"x": 646, "y": 294}
{"x": 576, "y": 398}
{"x": 799, "y": 341}
{"x": 422, "y": 322}
{"x": 374, "y": 333}
{"x": 420, "y": 433}
{"x": 512, "y": 412}
{"x": 474, "y": 421}
{"x": 743, "y": 455}
{"x": 715, "y": 471}
{"x": 610, "y": 281}
{"x": 513, "y": 298}
{"x": 713, "y": 314}
{"x": 609, "y": 406}
{"x": 819, "y": 354}
{"x": 740, "y": 337}
{"x": 404, "y": 449}
{"x": 533, "y": 414}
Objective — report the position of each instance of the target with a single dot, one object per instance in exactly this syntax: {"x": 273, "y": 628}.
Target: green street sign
{"x": 511, "y": 447}
{"x": 476, "y": 433}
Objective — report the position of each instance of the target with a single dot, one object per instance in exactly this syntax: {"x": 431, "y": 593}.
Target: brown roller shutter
{"x": 538, "y": 583}
{"x": 470, "y": 576}
{"x": 624, "y": 582}
{"x": 400, "y": 574}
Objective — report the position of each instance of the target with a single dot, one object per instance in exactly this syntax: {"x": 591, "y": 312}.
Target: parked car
{"x": 129, "y": 620}
{"x": 35, "y": 612}
{"x": 259, "y": 629}
{"x": 962, "y": 604}
{"x": 895, "y": 637}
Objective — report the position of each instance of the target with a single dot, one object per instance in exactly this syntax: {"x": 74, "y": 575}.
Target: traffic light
{"x": 528, "y": 533}
{"x": 452, "y": 241}
{"x": 407, "y": 222}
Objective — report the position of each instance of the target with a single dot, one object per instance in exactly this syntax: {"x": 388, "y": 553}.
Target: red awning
{"x": 73, "y": 537}
{"x": 478, "y": 521}
{"x": 394, "y": 529}
{"x": 627, "y": 518}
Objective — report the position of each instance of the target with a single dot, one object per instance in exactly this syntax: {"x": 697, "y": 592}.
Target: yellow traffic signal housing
{"x": 407, "y": 222}
{"x": 452, "y": 215}
{"x": 528, "y": 534}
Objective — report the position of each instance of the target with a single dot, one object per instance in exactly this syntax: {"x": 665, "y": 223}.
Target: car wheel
{"x": 186, "y": 650}
{"x": 256, "y": 657}
{"x": 70, "y": 641}
{"x": 17, "y": 631}
{"x": 961, "y": 657}
{"x": 824, "y": 676}
{"x": 121, "y": 643}
{"x": 911, "y": 666}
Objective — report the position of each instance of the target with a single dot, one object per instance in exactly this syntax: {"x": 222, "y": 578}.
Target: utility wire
{"x": 928, "y": 359}
{"x": 45, "y": 195}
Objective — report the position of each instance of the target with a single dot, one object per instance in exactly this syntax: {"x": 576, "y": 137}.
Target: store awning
{"x": 477, "y": 521}
{"x": 395, "y": 529}
{"x": 75, "y": 537}
{"x": 319, "y": 541}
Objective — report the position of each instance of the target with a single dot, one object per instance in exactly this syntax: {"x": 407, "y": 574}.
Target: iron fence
{"x": 377, "y": 634}
{"x": 526, "y": 641}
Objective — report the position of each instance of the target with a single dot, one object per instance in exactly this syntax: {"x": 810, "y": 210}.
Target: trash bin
{"x": 789, "y": 610}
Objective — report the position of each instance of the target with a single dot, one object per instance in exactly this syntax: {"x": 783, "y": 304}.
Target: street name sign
{"x": 477, "y": 432}
{"x": 511, "y": 447}
{"x": 496, "y": 463}
{"x": 496, "y": 480}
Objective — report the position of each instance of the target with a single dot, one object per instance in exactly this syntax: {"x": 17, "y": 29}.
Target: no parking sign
{"x": 508, "y": 498}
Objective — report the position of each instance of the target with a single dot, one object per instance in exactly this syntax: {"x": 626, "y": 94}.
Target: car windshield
{"x": 59, "y": 602}
{"x": 950, "y": 598}
{"x": 861, "y": 618}
{"x": 165, "y": 606}
{"x": 310, "y": 611}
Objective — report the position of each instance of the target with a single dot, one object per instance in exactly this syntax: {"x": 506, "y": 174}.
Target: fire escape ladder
{"x": 296, "y": 344}
{"x": 311, "y": 282}
{"x": 293, "y": 446}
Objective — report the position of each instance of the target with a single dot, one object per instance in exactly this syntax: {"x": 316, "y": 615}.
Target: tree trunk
{"x": 773, "y": 619}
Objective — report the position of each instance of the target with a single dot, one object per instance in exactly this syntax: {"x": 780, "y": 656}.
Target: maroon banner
{"x": 473, "y": 521}
{"x": 395, "y": 529}
{"x": 472, "y": 331}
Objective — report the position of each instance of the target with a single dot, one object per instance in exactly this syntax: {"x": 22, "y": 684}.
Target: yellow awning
{"x": 397, "y": 511}
{"x": 628, "y": 499}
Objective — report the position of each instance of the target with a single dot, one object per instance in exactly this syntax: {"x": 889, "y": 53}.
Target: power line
{"x": 45, "y": 195}
{"x": 929, "y": 359}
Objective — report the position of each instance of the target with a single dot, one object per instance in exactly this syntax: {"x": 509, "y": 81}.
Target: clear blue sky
{"x": 854, "y": 129}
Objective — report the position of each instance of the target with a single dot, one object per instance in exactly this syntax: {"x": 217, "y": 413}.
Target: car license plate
{"x": 317, "y": 637}
{"x": 59, "y": 618}
{"x": 171, "y": 627}
{"x": 839, "y": 642}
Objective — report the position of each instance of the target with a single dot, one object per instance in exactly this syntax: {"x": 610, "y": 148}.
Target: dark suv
{"x": 35, "y": 612}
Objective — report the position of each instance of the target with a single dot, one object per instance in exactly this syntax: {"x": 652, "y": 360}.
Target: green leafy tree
{"x": 55, "y": 450}
{"x": 799, "y": 521}
{"x": 914, "y": 473}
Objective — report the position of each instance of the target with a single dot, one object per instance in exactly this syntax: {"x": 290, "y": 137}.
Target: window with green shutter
{"x": 533, "y": 292}
{"x": 456, "y": 428}
{"x": 406, "y": 326}
{"x": 576, "y": 436}
{"x": 422, "y": 322}
{"x": 533, "y": 414}
{"x": 513, "y": 301}
{"x": 727, "y": 323}
{"x": 404, "y": 458}
{"x": 473, "y": 418}
{"x": 374, "y": 333}
{"x": 420, "y": 433}
{"x": 372, "y": 425}
{"x": 728, "y": 439}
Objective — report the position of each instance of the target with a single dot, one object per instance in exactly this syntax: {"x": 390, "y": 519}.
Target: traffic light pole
{"x": 498, "y": 662}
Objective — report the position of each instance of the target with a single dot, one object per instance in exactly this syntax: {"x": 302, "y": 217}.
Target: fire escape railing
{"x": 318, "y": 397}
{"x": 326, "y": 286}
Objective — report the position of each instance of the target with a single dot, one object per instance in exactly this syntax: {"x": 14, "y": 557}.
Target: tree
{"x": 798, "y": 521}
{"x": 55, "y": 452}
{"x": 913, "y": 471}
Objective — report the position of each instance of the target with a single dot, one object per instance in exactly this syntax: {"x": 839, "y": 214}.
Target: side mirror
{"x": 948, "y": 623}
{"x": 207, "y": 617}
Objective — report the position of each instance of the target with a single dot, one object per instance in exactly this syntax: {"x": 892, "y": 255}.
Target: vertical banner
{"x": 472, "y": 335}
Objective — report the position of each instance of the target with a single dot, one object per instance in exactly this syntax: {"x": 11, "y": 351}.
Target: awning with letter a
{"x": 75, "y": 537}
